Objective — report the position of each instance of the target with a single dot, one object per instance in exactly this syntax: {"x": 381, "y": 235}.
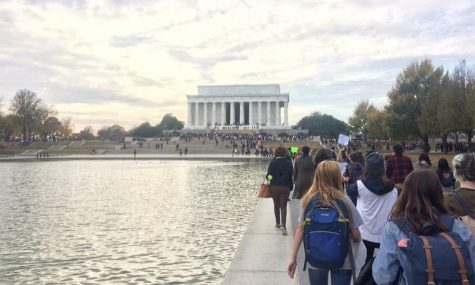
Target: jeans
{"x": 318, "y": 276}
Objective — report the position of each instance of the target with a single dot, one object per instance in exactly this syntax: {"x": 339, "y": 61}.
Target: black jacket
{"x": 281, "y": 170}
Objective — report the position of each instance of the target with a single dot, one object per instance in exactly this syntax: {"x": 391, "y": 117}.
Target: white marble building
{"x": 243, "y": 107}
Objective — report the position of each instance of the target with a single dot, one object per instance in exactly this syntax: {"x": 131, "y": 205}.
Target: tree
{"x": 170, "y": 122}
{"x": 447, "y": 113}
{"x": 8, "y": 128}
{"x": 67, "y": 127}
{"x": 29, "y": 111}
{"x": 415, "y": 87}
{"x": 87, "y": 133}
{"x": 322, "y": 125}
{"x": 51, "y": 126}
{"x": 145, "y": 130}
{"x": 114, "y": 133}
{"x": 376, "y": 124}
{"x": 359, "y": 119}
{"x": 464, "y": 88}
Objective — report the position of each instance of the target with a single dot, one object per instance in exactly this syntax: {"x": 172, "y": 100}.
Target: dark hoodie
{"x": 376, "y": 185}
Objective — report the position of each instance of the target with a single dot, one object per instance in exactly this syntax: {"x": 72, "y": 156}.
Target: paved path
{"x": 263, "y": 254}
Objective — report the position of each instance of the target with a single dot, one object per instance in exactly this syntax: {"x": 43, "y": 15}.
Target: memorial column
{"x": 286, "y": 113}
{"x": 205, "y": 114}
{"x": 259, "y": 113}
{"x": 232, "y": 117}
{"x": 223, "y": 114}
{"x": 251, "y": 114}
{"x": 277, "y": 113}
{"x": 213, "y": 115}
{"x": 268, "y": 121}
{"x": 197, "y": 118}
{"x": 241, "y": 113}
{"x": 189, "y": 115}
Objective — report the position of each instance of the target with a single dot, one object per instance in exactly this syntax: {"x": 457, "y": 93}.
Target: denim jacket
{"x": 389, "y": 258}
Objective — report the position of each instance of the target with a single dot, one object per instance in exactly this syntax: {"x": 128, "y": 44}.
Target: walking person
{"x": 279, "y": 174}
{"x": 445, "y": 174}
{"x": 376, "y": 196}
{"x": 354, "y": 172}
{"x": 342, "y": 160}
{"x": 461, "y": 202}
{"x": 322, "y": 155}
{"x": 398, "y": 166}
{"x": 421, "y": 211}
{"x": 423, "y": 162}
{"x": 326, "y": 190}
{"x": 303, "y": 173}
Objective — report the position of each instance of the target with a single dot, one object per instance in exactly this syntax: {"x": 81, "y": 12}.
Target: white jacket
{"x": 374, "y": 210}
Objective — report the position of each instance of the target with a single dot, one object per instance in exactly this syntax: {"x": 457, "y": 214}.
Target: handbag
{"x": 366, "y": 275}
{"x": 264, "y": 191}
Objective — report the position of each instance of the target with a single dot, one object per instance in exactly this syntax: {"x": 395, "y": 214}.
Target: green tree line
{"x": 30, "y": 119}
{"x": 424, "y": 102}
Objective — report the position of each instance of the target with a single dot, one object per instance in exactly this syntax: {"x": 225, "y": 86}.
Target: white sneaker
{"x": 284, "y": 231}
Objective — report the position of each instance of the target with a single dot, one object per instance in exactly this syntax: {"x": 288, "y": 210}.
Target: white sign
{"x": 343, "y": 140}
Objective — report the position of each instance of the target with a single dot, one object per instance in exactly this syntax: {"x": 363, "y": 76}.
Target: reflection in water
{"x": 157, "y": 222}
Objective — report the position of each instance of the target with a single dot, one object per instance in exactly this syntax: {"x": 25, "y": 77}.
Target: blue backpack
{"x": 326, "y": 235}
{"x": 435, "y": 256}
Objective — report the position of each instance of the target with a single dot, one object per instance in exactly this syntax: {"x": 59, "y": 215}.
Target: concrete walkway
{"x": 263, "y": 254}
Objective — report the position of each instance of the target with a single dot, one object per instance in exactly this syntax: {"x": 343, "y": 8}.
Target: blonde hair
{"x": 327, "y": 185}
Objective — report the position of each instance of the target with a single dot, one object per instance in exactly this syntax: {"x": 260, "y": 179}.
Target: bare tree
{"x": 67, "y": 127}
{"x": 29, "y": 111}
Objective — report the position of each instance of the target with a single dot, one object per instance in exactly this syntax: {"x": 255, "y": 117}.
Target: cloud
{"x": 99, "y": 58}
{"x": 128, "y": 41}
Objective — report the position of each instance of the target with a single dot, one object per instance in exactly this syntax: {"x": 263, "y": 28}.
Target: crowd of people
{"x": 408, "y": 221}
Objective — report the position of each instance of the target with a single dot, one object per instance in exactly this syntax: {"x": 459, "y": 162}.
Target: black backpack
{"x": 435, "y": 256}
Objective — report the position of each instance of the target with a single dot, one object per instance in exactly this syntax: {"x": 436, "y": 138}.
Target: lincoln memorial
{"x": 238, "y": 107}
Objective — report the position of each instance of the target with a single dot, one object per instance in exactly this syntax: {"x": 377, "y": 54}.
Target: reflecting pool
{"x": 123, "y": 222}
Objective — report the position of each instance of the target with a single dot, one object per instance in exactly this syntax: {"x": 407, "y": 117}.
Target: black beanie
{"x": 374, "y": 164}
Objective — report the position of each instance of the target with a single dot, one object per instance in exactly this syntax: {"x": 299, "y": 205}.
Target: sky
{"x": 105, "y": 62}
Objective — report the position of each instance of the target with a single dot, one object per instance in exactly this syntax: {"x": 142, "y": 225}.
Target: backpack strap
{"x": 352, "y": 260}
{"x": 344, "y": 209}
{"x": 462, "y": 203}
{"x": 458, "y": 253}
{"x": 430, "y": 264}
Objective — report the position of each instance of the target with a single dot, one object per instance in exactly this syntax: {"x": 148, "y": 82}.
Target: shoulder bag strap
{"x": 314, "y": 202}
{"x": 430, "y": 265}
{"x": 346, "y": 211}
{"x": 352, "y": 260}
{"x": 458, "y": 253}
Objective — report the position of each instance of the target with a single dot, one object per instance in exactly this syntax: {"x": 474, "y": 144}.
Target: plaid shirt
{"x": 398, "y": 167}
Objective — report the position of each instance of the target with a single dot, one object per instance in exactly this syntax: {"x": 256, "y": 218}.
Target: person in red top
{"x": 398, "y": 166}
